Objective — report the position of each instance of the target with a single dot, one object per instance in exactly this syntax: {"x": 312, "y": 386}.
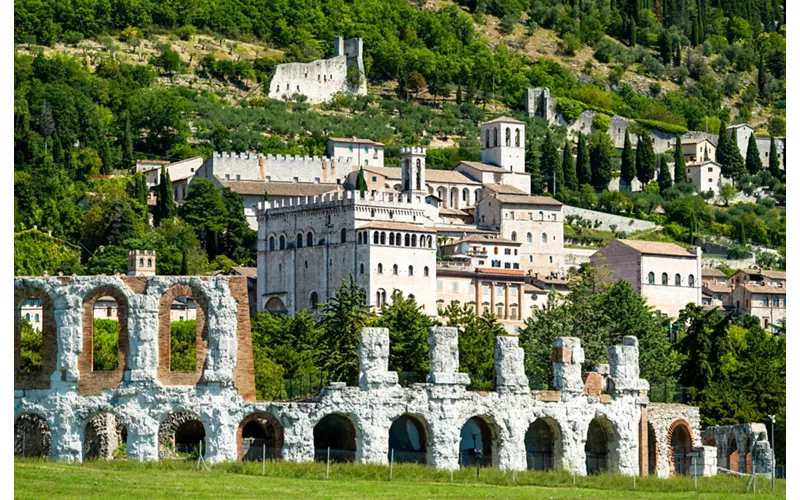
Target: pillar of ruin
{"x": 567, "y": 360}
{"x": 143, "y": 338}
{"x": 373, "y": 360}
{"x": 624, "y": 368}
{"x": 443, "y": 349}
{"x": 509, "y": 365}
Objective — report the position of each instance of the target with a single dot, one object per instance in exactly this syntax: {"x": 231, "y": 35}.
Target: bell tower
{"x": 412, "y": 161}
{"x": 503, "y": 144}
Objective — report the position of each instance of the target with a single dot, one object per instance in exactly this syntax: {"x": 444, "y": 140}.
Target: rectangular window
{"x": 439, "y": 285}
{"x": 508, "y": 251}
{"x": 267, "y": 178}
{"x": 296, "y": 179}
{"x": 710, "y": 169}
{"x": 351, "y": 149}
{"x": 472, "y": 288}
{"x": 508, "y": 265}
{"x": 485, "y": 289}
{"x": 374, "y": 178}
{"x": 238, "y": 177}
{"x": 366, "y": 149}
{"x": 227, "y": 177}
{"x": 455, "y": 286}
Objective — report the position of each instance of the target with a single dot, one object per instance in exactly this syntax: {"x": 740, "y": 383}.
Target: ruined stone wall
{"x": 148, "y": 409}
{"x": 665, "y": 417}
{"x": 741, "y": 448}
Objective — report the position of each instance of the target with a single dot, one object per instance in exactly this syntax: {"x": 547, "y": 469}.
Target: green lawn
{"x": 123, "y": 480}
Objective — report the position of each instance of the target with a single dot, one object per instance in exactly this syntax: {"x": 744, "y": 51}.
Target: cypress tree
{"x": 664, "y": 177}
{"x": 774, "y": 165}
{"x": 736, "y": 162}
{"x": 361, "y": 183}
{"x": 601, "y": 160}
{"x": 536, "y": 177}
{"x": 184, "y": 263}
{"x": 165, "y": 205}
{"x": 582, "y": 166}
{"x": 628, "y": 167}
{"x": 58, "y": 150}
{"x": 677, "y": 61}
{"x": 550, "y": 165}
{"x": 752, "y": 160}
{"x": 723, "y": 150}
{"x": 645, "y": 161}
{"x": 680, "y": 164}
{"x": 127, "y": 143}
{"x": 665, "y": 46}
{"x": 568, "y": 167}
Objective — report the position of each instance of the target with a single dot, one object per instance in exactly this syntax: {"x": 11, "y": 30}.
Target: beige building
{"x": 698, "y": 150}
{"x": 485, "y": 251}
{"x": 763, "y": 300}
{"x": 706, "y": 176}
{"x": 364, "y": 152}
{"x": 666, "y": 274}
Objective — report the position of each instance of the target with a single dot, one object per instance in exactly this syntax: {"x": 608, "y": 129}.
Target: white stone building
{"x": 668, "y": 275}
{"x": 364, "y": 152}
{"x": 319, "y": 80}
{"x": 706, "y": 176}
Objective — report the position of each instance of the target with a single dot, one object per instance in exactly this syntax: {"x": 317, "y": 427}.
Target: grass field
{"x": 129, "y": 480}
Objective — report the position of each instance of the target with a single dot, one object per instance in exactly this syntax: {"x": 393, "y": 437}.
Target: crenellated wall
{"x": 150, "y": 406}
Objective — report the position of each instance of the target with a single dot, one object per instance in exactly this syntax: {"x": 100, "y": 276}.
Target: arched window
{"x": 361, "y": 269}
{"x": 516, "y": 141}
{"x": 299, "y": 243}
{"x": 508, "y": 136}
{"x": 282, "y": 243}
{"x": 394, "y": 269}
{"x": 27, "y": 316}
{"x": 380, "y": 268}
{"x": 418, "y": 175}
{"x": 530, "y": 258}
{"x": 664, "y": 279}
{"x": 411, "y": 270}
{"x": 397, "y": 239}
{"x": 494, "y": 137}
{"x": 343, "y": 237}
{"x": 425, "y": 271}
{"x": 541, "y": 215}
{"x": 487, "y": 138}
{"x": 413, "y": 240}
{"x": 408, "y": 240}
{"x": 513, "y": 236}
{"x": 36, "y": 316}
{"x": 691, "y": 280}
{"x": 309, "y": 239}
{"x": 677, "y": 280}
{"x": 496, "y": 250}
{"x": 141, "y": 262}
{"x": 314, "y": 299}
{"x": 149, "y": 262}
{"x": 391, "y": 238}
{"x": 775, "y": 301}
{"x": 544, "y": 238}
{"x": 383, "y": 238}
{"x": 271, "y": 243}
{"x": 529, "y": 237}
{"x": 376, "y": 237}
{"x": 358, "y": 237}
{"x": 651, "y": 278}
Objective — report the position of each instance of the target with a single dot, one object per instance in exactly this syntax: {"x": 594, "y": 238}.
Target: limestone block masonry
{"x": 221, "y": 396}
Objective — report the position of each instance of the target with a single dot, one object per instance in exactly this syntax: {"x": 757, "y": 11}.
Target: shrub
{"x": 186, "y": 32}
{"x": 606, "y": 50}
{"x": 569, "y": 109}
{"x": 652, "y": 67}
{"x": 601, "y": 122}
{"x": 72, "y": 38}
{"x": 569, "y": 44}
{"x": 669, "y": 128}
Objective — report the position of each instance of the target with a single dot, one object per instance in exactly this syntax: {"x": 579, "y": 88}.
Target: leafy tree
{"x": 169, "y": 60}
{"x": 408, "y": 329}
{"x": 291, "y": 342}
{"x": 236, "y": 237}
{"x": 727, "y": 193}
{"x": 600, "y": 155}
{"x": 645, "y": 160}
{"x": 704, "y": 345}
{"x": 30, "y": 348}
{"x": 204, "y": 210}
{"x": 416, "y": 83}
{"x": 46, "y": 123}
{"x": 680, "y": 164}
{"x": 568, "y": 167}
{"x": 105, "y": 342}
{"x": 476, "y": 336}
{"x": 753, "y": 160}
{"x": 165, "y": 201}
{"x": 582, "y": 164}
{"x": 342, "y": 319}
{"x": 550, "y": 164}
{"x": 183, "y": 346}
{"x": 628, "y": 166}
{"x": 664, "y": 177}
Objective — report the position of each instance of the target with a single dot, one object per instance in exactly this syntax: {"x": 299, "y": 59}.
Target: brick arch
{"x": 270, "y": 423}
{"x": 165, "y": 375}
{"x": 35, "y": 380}
{"x": 675, "y": 424}
{"x": 748, "y": 456}
{"x": 733, "y": 453}
{"x": 90, "y": 382}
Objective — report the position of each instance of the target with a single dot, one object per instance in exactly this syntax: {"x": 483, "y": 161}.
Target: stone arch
{"x": 543, "y": 444}
{"x": 733, "y": 454}
{"x": 299, "y": 240}
{"x": 31, "y": 436}
{"x": 680, "y": 442}
{"x": 180, "y": 432}
{"x": 409, "y": 436}
{"x": 309, "y": 239}
{"x": 441, "y": 193}
{"x": 478, "y": 433}
{"x": 91, "y": 382}
{"x": 465, "y": 197}
{"x": 271, "y": 242}
{"x": 103, "y": 434}
{"x": 282, "y": 242}
{"x": 165, "y": 374}
{"x": 454, "y": 198}
{"x": 748, "y": 456}
{"x": 259, "y": 435}
{"x": 35, "y": 379}
{"x": 337, "y": 432}
{"x": 602, "y": 446}
{"x": 275, "y": 306}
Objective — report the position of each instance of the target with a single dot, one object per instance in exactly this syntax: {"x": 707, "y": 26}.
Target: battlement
{"x": 342, "y": 198}
{"x": 282, "y": 158}
{"x": 412, "y": 150}
{"x": 133, "y": 253}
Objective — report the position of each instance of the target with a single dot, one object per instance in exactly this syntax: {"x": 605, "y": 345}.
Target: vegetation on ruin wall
{"x": 170, "y": 479}
{"x": 30, "y": 348}
{"x": 182, "y": 347}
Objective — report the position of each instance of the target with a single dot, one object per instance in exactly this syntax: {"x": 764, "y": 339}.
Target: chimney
{"x": 261, "y": 166}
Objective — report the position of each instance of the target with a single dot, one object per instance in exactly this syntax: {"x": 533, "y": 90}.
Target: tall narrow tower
{"x": 503, "y": 143}
{"x": 141, "y": 262}
{"x": 412, "y": 161}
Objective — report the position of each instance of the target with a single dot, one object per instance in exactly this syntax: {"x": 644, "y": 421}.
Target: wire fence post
{"x": 328, "y": 464}
{"x": 23, "y": 446}
{"x": 634, "y": 481}
{"x": 391, "y": 465}
{"x": 451, "y": 475}
{"x": 694, "y": 472}
{"x": 264, "y": 459}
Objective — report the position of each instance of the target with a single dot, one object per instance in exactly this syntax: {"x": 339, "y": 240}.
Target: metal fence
{"x": 780, "y": 471}
{"x": 540, "y": 460}
{"x": 408, "y": 457}
{"x": 468, "y": 458}
{"x": 667, "y": 392}
{"x": 258, "y": 449}
{"x": 596, "y": 463}
{"x": 299, "y": 387}
{"x": 336, "y": 455}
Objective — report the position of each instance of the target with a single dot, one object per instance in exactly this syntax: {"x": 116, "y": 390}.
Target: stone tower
{"x": 412, "y": 161}
{"x": 537, "y": 102}
{"x": 503, "y": 143}
{"x": 141, "y": 263}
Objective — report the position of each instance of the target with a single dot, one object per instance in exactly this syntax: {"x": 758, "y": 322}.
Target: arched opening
{"x": 271, "y": 243}
{"x": 383, "y": 238}
{"x": 680, "y": 443}
{"x": 516, "y": 141}
{"x": 408, "y": 439}
{"x": 180, "y": 435}
{"x": 508, "y": 136}
{"x": 282, "y": 242}
{"x": 540, "y": 444}
{"x": 182, "y": 327}
{"x": 299, "y": 241}
{"x": 376, "y": 238}
{"x": 343, "y": 236}
{"x": 733, "y": 454}
{"x": 408, "y": 240}
{"x": 309, "y": 239}
{"x": 105, "y": 437}
{"x": 276, "y": 306}
{"x": 313, "y": 299}
{"x": 748, "y": 456}
{"x": 465, "y": 197}
{"x": 600, "y": 449}
{"x": 477, "y": 442}
{"x": 651, "y": 278}
{"x": 335, "y": 434}
{"x": 652, "y": 450}
{"x": 183, "y": 334}
{"x": 31, "y": 436}
{"x": 664, "y": 279}
{"x": 35, "y": 345}
{"x": 260, "y": 436}
{"x": 454, "y": 198}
